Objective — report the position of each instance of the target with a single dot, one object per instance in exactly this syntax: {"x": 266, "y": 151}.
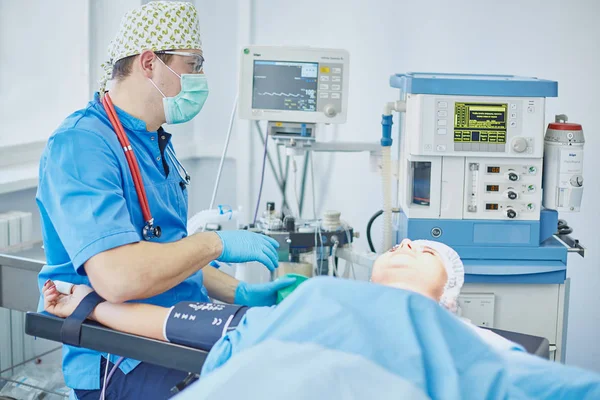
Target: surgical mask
{"x": 190, "y": 100}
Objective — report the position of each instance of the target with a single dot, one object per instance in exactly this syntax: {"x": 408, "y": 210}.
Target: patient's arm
{"x": 135, "y": 318}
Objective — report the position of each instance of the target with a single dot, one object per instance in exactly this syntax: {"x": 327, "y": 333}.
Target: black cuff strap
{"x": 71, "y": 330}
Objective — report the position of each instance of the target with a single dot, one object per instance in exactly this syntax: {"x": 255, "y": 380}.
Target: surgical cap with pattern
{"x": 454, "y": 269}
{"x": 156, "y": 26}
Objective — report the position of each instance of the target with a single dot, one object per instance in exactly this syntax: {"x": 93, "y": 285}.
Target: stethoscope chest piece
{"x": 150, "y": 231}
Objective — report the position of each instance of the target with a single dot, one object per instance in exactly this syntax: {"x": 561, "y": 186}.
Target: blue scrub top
{"x": 88, "y": 204}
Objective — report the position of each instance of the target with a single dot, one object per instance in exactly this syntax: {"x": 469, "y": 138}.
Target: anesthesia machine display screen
{"x": 480, "y": 123}
{"x": 281, "y": 85}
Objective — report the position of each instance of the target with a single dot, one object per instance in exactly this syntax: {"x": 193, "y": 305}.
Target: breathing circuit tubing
{"x": 386, "y": 168}
{"x": 369, "y": 225}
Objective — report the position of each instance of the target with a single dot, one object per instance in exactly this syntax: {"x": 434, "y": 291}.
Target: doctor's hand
{"x": 63, "y": 305}
{"x": 244, "y": 246}
{"x": 261, "y": 294}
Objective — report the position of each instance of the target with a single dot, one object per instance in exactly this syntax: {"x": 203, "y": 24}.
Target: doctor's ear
{"x": 147, "y": 62}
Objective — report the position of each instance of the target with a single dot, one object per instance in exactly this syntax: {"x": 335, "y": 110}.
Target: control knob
{"x": 519, "y": 144}
{"x": 576, "y": 181}
{"x": 330, "y": 110}
{"x": 511, "y": 194}
{"x": 512, "y": 176}
{"x": 511, "y": 213}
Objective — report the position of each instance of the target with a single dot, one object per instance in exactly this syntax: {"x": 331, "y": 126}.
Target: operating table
{"x": 100, "y": 338}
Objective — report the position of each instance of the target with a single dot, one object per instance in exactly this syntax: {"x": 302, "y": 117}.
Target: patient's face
{"x": 413, "y": 267}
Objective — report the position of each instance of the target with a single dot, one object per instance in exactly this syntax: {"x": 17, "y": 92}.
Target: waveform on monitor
{"x": 280, "y": 94}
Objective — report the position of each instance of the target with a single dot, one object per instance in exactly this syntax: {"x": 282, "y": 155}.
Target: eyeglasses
{"x": 199, "y": 60}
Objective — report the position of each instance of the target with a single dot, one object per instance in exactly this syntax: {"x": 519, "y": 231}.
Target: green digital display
{"x": 480, "y": 123}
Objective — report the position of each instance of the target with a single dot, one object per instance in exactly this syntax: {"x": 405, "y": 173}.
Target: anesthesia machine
{"x": 480, "y": 172}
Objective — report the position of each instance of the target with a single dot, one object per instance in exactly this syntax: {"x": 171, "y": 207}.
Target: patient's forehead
{"x": 428, "y": 260}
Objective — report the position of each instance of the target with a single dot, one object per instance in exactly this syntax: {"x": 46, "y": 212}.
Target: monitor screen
{"x": 480, "y": 123}
{"x": 281, "y": 85}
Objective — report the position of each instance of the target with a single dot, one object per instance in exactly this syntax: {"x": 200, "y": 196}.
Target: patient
{"x": 335, "y": 338}
{"x": 429, "y": 268}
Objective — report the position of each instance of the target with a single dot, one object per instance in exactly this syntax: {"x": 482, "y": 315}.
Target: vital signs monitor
{"x": 294, "y": 84}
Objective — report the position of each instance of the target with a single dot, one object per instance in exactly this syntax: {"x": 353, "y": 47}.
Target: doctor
{"x": 113, "y": 198}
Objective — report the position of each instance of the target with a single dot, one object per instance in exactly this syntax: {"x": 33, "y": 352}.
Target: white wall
{"x": 219, "y": 34}
{"x": 548, "y": 39}
{"x": 43, "y": 64}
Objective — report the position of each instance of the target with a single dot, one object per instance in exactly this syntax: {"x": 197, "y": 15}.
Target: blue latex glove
{"x": 260, "y": 294}
{"x": 245, "y": 246}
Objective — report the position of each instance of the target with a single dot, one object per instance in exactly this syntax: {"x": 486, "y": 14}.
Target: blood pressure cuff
{"x": 200, "y": 325}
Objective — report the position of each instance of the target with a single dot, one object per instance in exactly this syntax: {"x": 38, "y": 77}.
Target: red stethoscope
{"x": 149, "y": 231}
